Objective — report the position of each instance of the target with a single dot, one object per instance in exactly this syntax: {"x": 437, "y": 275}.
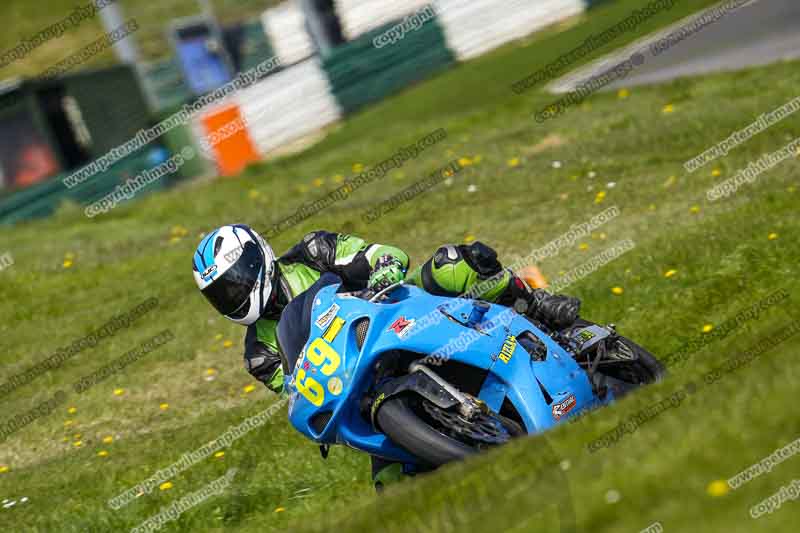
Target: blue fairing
{"x": 544, "y": 393}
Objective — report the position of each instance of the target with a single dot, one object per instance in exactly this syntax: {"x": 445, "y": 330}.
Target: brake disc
{"x": 482, "y": 428}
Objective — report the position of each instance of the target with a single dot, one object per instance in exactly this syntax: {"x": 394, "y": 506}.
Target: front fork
{"x": 429, "y": 385}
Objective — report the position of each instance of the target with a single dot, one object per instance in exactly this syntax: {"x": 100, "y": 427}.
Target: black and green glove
{"x": 387, "y": 271}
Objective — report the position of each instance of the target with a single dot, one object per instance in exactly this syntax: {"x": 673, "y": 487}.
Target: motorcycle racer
{"x": 239, "y": 274}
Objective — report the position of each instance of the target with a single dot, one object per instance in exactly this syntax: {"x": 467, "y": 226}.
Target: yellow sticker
{"x": 334, "y": 329}
{"x": 335, "y": 386}
{"x": 507, "y": 351}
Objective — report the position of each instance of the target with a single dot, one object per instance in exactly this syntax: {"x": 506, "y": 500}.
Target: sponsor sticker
{"x": 334, "y": 329}
{"x": 335, "y": 386}
{"x": 327, "y": 317}
{"x": 401, "y": 326}
{"x": 209, "y": 272}
{"x": 507, "y": 351}
{"x": 564, "y": 406}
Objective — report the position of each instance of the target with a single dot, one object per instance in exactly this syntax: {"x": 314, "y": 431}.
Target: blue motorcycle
{"x": 417, "y": 378}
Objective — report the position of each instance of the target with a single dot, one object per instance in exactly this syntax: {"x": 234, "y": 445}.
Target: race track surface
{"x": 759, "y": 33}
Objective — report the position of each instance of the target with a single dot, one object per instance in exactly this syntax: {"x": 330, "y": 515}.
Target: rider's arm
{"x": 348, "y": 256}
{"x": 473, "y": 271}
{"x": 469, "y": 270}
{"x": 261, "y": 357}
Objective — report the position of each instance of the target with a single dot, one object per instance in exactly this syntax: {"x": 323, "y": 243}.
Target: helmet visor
{"x": 232, "y": 290}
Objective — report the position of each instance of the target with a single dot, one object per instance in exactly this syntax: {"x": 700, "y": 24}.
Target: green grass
{"x": 722, "y": 254}
{"x": 26, "y": 19}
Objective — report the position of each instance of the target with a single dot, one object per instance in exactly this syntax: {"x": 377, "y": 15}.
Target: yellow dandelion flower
{"x": 102, "y": 453}
{"x": 253, "y": 194}
{"x": 108, "y": 439}
{"x": 716, "y": 173}
{"x": 667, "y": 109}
{"x": 69, "y": 423}
{"x": 513, "y": 162}
{"x": 119, "y": 392}
{"x": 280, "y": 510}
{"x": 67, "y": 263}
{"x": 249, "y": 388}
{"x": 77, "y": 436}
{"x": 179, "y": 231}
{"x": 694, "y": 209}
{"x": 338, "y": 178}
{"x": 617, "y": 290}
{"x": 670, "y": 181}
{"x": 717, "y": 488}
{"x": 583, "y": 246}
{"x": 319, "y": 182}
{"x": 465, "y": 161}
{"x": 670, "y": 273}
{"x": 219, "y": 455}
{"x": 358, "y": 168}
{"x": 469, "y": 238}
{"x": 3, "y": 469}
{"x": 72, "y": 410}
{"x": 166, "y": 485}
{"x": 772, "y": 236}
{"x": 77, "y": 444}
{"x": 227, "y": 344}
{"x": 599, "y": 197}
{"x": 707, "y": 328}
{"x": 173, "y": 240}
{"x": 164, "y": 406}
{"x": 622, "y": 94}
{"x": 211, "y": 371}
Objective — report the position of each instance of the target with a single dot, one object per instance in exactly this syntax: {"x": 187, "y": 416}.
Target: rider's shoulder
{"x": 320, "y": 244}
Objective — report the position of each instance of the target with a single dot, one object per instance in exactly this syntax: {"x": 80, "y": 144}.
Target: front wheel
{"x": 635, "y": 365}
{"x": 439, "y": 436}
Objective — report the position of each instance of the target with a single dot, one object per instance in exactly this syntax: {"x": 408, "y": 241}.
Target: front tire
{"x": 644, "y": 366}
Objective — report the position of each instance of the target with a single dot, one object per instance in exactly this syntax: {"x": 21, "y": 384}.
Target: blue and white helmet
{"x": 234, "y": 267}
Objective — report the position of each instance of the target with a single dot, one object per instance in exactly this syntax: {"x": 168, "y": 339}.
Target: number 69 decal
{"x": 322, "y": 355}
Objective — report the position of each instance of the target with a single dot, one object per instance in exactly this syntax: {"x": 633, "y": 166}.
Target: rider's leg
{"x": 473, "y": 270}
{"x": 387, "y": 472}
